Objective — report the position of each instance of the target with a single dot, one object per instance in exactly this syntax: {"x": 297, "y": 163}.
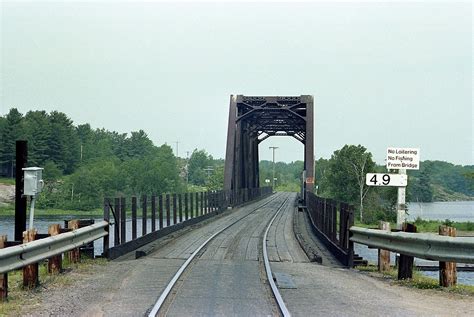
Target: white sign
{"x": 380, "y": 179}
{"x": 403, "y": 158}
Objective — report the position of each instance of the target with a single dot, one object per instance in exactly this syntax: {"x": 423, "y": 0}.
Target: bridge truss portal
{"x": 254, "y": 119}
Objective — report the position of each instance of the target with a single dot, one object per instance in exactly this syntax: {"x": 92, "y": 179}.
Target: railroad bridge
{"x": 241, "y": 251}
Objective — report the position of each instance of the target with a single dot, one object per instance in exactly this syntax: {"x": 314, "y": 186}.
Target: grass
{"x": 419, "y": 281}
{"x": 7, "y": 181}
{"x": 19, "y": 297}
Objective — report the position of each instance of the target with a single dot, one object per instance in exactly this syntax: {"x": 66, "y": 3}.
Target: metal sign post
{"x": 402, "y": 159}
{"x": 401, "y": 202}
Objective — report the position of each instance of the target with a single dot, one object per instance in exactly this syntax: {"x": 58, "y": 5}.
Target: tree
{"x": 419, "y": 189}
{"x": 64, "y": 147}
{"x": 11, "y": 132}
{"x": 38, "y": 132}
{"x": 197, "y": 164}
{"x": 346, "y": 176}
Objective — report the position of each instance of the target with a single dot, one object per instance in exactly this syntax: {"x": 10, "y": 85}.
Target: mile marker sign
{"x": 403, "y": 158}
{"x": 381, "y": 179}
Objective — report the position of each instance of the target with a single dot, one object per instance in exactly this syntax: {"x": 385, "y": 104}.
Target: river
{"x": 458, "y": 211}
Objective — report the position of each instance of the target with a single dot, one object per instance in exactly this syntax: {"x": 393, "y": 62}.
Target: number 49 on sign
{"x": 380, "y": 179}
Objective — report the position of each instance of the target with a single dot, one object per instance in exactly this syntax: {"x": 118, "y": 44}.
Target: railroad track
{"x": 164, "y": 299}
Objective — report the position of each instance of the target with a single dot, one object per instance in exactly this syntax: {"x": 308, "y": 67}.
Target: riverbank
{"x": 9, "y": 210}
{"x": 431, "y": 226}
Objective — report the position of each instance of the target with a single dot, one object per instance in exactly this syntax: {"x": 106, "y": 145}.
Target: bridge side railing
{"x": 331, "y": 222}
{"x": 136, "y": 222}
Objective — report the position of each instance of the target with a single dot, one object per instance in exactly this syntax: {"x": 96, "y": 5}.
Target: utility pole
{"x": 187, "y": 168}
{"x": 177, "y": 142}
{"x": 273, "y": 148}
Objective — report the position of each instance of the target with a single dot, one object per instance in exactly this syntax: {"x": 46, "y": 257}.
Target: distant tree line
{"x": 342, "y": 177}
{"x": 83, "y": 165}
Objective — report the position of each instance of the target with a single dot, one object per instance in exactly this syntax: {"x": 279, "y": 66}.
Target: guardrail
{"x": 163, "y": 214}
{"x": 421, "y": 245}
{"x": 19, "y": 256}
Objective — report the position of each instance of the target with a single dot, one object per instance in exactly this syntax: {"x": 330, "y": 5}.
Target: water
{"x": 7, "y": 226}
{"x": 459, "y": 211}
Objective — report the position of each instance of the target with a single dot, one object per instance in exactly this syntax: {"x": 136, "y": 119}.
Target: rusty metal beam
{"x": 253, "y": 119}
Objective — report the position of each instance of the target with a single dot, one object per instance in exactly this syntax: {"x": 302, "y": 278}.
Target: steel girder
{"x": 254, "y": 119}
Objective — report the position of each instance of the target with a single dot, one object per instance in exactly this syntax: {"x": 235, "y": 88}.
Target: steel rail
{"x": 276, "y": 292}
{"x": 18, "y": 256}
{"x": 159, "y": 303}
{"x": 421, "y": 245}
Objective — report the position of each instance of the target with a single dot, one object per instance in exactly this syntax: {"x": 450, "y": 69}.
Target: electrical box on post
{"x": 33, "y": 181}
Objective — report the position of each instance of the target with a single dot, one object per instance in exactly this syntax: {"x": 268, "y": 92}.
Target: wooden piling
{"x": 186, "y": 210}
{"x": 4, "y": 276}
{"x": 74, "y": 255}
{"x": 144, "y": 215}
{"x": 30, "y": 272}
{"x": 405, "y": 264}
{"x": 55, "y": 262}
{"x": 191, "y": 205}
{"x": 153, "y": 213}
{"x": 134, "y": 218}
{"x": 180, "y": 207}
{"x": 160, "y": 211}
{"x": 116, "y": 221}
{"x": 106, "y": 242}
{"x": 123, "y": 220}
{"x": 447, "y": 270}
{"x": 175, "y": 210}
{"x": 384, "y": 255}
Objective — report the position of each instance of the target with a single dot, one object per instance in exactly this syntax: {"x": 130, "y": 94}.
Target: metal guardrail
{"x": 16, "y": 257}
{"x": 421, "y": 245}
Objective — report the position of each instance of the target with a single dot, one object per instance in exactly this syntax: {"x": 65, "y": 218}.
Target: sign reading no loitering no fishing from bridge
{"x": 403, "y": 158}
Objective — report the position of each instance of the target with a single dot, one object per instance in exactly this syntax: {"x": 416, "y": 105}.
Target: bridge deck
{"x": 228, "y": 279}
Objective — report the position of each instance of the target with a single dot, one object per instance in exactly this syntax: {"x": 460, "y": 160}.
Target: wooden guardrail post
{"x": 4, "y": 276}
{"x": 55, "y": 262}
{"x": 74, "y": 255}
{"x": 405, "y": 263}
{"x": 384, "y": 255}
{"x": 447, "y": 270}
{"x": 30, "y": 272}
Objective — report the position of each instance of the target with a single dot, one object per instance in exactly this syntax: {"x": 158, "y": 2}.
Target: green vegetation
{"x": 429, "y": 225}
{"x": 83, "y": 165}
{"x": 20, "y": 297}
{"x": 288, "y": 175}
{"x": 441, "y": 181}
{"x": 418, "y": 281}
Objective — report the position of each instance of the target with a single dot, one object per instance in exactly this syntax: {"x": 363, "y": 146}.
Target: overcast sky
{"x": 382, "y": 74}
